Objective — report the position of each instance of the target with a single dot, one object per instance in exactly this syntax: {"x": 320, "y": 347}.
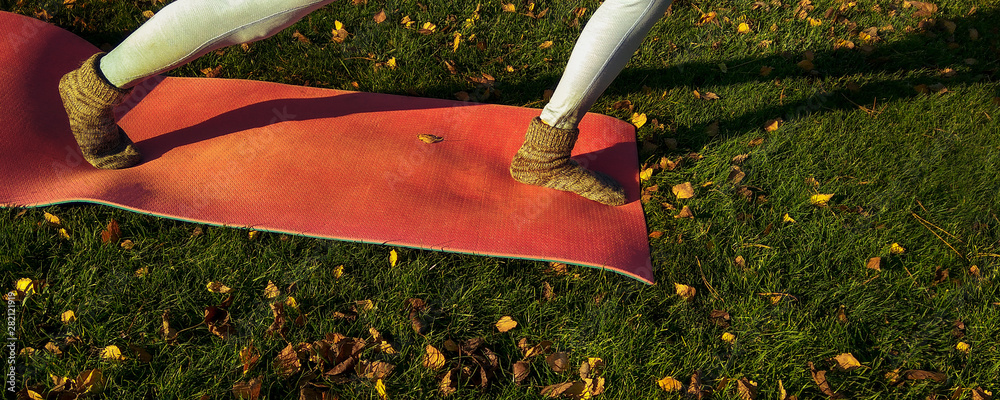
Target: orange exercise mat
{"x": 314, "y": 162}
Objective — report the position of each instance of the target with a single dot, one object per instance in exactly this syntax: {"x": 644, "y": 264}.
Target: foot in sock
{"x": 543, "y": 160}
{"x": 89, "y": 100}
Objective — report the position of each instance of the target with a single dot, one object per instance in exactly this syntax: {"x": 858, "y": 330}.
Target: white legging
{"x": 187, "y": 29}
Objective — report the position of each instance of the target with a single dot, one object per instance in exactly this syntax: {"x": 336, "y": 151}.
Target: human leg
{"x": 606, "y": 44}
{"x": 180, "y": 32}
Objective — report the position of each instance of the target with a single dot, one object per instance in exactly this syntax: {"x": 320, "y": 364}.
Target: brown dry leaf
{"x": 683, "y": 191}
{"x": 521, "y": 370}
{"x": 924, "y": 9}
{"x": 218, "y": 287}
{"x": 843, "y": 44}
{"x": 90, "y": 381}
{"x": 53, "y": 348}
{"x": 755, "y": 142}
{"x": 842, "y": 314}
{"x": 380, "y": 17}
{"x": 686, "y": 292}
{"x": 820, "y": 378}
{"x": 543, "y": 347}
{"x": 740, "y": 158}
{"x": 375, "y": 369}
{"x": 428, "y": 138}
{"x": 433, "y": 358}
{"x": 916, "y": 375}
{"x": 112, "y": 233}
{"x": 766, "y": 70}
{"x": 706, "y": 18}
{"x": 557, "y": 389}
{"x": 339, "y": 33}
{"x": 720, "y": 318}
{"x": 806, "y": 65}
{"x": 981, "y": 394}
{"x": 709, "y": 96}
{"x": 448, "y": 384}
{"x": 875, "y": 263}
{"x": 248, "y": 390}
{"x": 249, "y": 355}
{"x": 301, "y": 38}
{"x": 546, "y": 44}
{"x": 740, "y": 262}
{"x": 169, "y": 334}
{"x": 128, "y": 245}
{"x": 217, "y": 320}
{"x": 558, "y": 361}
{"x": 746, "y": 389}
{"x": 547, "y": 293}
{"x": 685, "y": 213}
{"x": 278, "y": 326}
{"x": 736, "y": 175}
{"x": 695, "y": 388}
{"x": 846, "y": 362}
{"x": 506, "y": 323}
{"x": 773, "y": 124}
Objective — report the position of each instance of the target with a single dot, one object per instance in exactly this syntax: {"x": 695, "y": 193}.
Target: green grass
{"x": 882, "y": 147}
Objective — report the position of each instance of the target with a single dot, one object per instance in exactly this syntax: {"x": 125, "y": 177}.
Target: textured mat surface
{"x": 314, "y": 162}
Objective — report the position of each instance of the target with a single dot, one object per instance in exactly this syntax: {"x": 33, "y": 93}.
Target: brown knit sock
{"x": 89, "y": 100}
{"x": 543, "y": 160}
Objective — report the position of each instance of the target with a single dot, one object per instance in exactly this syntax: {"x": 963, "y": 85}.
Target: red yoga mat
{"x": 315, "y": 162}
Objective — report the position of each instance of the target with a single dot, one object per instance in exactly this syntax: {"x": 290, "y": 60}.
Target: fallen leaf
{"x": 874, "y": 263}
{"x": 896, "y": 249}
{"x": 249, "y": 390}
{"x": 924, "y": 9}
{"x": 68, "y": 316}
{"x": 686, "y": 292}
{"x": 521, "y": 370}
{"x": 706, "y": 18}
{"x": 380, "y": 17}
{"x": 148, "y": 14}
{"x": 375, "y": 369}
{"x": 249, "y": 356}
{"x": 556, "y": 390}
{"x": 63, "y": 233}
{"x": 806, "y": 65}
{"x": 558, "y": 361}
{"x": 820, "y": 378}
{"x": 683, "y": 191}
{"x": 645, "y": 174}
{"x": 766, "y": 70}
{"x": 112, "y": 353}
{"x": 846, "y": 362}
{"x": 509, "y": 7}
{"x": 428, "y": 138}
{"x": 773, "y": 124}
{"x": 787, "y": 218}
{"x": 218, "y": 287}
{"x": 212, "y": 72}
{"x": 433, "y": 358}
{"x": 743, "y": 28}
{"x": 169, "y": 334}
{"x": 546, "y": 44}
{"x": 506, "y": 323}
{"x": 981, "y": 394}
{"x": 271, "y": 291}
{"x": 111, "y": 233}
{"x": 695, "y": 388}
{"x": 916, "y": 375}
{"x": 746, "y": 389}
{"x": 820, "y": 200}
{"x": 685, "y": 213}
{"x": 728, "y": 338}
{"x": 963, "y": 347}
{"x": 448, "y": 384}
{"x": 669, "y": 384}
{"x": 736, "y": 175}
{"x": 90, "y": 381}
{"x": 301, "y": 38}
{"x": 380, "y": 388}
{"x": 740, "y": 262}
{"x": 638, "y": 120}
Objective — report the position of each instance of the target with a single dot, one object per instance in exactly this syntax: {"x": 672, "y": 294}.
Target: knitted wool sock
{"x": 543, "y": 160}
{"x": 89, "y": 100}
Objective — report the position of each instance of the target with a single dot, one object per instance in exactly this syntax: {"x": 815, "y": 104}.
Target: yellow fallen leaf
{"x": 290, "y": 302}
{"x": 271, "y": 291}
{"x": 728, "y": 338}
{"x": 391, "y": 63}
{"x": 433, "y": 358}
{"x": 638, "y": 120}
{"x": 428, "y": 138}
{"x": 669, "y": 384}
{"x": 456, "y": 41}
{"x": 393, "y": 257}
{"x": 847, "y": 362}
{"x": 895, "y": 248}
{"x": 406, "y": 21}
{"x": 963, "y": 347}
{"x": 52, "y": 220}
{"x": 148, "y": 14}
{"x": 509, "y": 7}
{"x": 506, "y": 323}
{"x": 546, "y": 44}
{"x": 32, "y": 395}
{"x": 646, "y": 174}
{"x": 787, "y": 218}
{"x": 686, "y": 292}
{"x": 743, "y": 28}
{"x": 338, "y": 271}
{"x": 218, "y": 287}
{"x": 68, "y": 316}
{"x": 427, "y": 26}
{"x": 25, "y": 285}
{"x": 380, "y": 388}
{"x": 706, "y": 18}
{"x": 773, "y": 125}
{"x": 112, "y": 353}
{"x": 253, "y": 235}
{"x": 63, "y": 233}
{"x": 815, "y": 22}
{"x": 820, "y": 200}
{"x": 683, "y": 191}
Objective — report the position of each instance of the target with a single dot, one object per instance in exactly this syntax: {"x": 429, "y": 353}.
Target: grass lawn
{"x": 899, "y": 125}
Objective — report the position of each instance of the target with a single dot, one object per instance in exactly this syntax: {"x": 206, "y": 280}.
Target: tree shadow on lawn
{"x": 892, "y": 70}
